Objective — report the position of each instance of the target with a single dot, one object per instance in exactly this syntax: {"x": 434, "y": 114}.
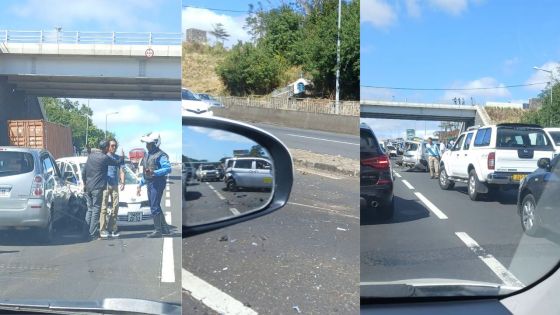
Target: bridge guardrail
{"x": 318, "y": 106}
{"x": 76, "y": 37}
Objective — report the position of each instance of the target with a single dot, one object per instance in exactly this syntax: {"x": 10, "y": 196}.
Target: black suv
{"x": 376, "y": 175}
{"x": 539, "y": 197}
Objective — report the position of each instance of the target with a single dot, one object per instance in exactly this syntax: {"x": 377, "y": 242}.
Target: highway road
{"x": 443, "y": 234}
{"x": 301, "y": 258}
{"x": 131, "y": 266}
{"x": 316, "y": 141}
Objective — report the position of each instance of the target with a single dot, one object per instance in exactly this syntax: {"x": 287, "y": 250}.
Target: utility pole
{"x": 337, "y": 101}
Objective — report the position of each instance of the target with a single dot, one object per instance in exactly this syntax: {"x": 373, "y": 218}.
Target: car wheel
{"x": 474, "y": 185}
{"x": 45, "y": 234}
{"x": 444, "y": 182}
{"x": 529, "y": 220}
{"x": 388, "y": 210}
{"x": 231, "y": 186}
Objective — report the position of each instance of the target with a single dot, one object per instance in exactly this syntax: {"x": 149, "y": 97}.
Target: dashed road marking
{"x": 167, "y": 194}
{"x": 234, "y": 211}
{"x": 407, "y": 184}
{"x": 397, "y": 174}
{"x": 167, "y": 203}
{"x": 167, "y": 261}
{"x": 431, "y": 206}
{"x": 505, "y": 275}
{"x": 213, "y": 297}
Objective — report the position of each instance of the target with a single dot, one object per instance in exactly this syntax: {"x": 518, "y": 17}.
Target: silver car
{"x": 32, "y": 192}
{"x": 207, "y": 172}
{"x": 249, "y": 172}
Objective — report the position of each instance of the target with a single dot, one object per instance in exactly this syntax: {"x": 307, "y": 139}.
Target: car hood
{"x": 197, "y": 106}
{"x": 128, "y": 195}
{"x": 433, "y": 287}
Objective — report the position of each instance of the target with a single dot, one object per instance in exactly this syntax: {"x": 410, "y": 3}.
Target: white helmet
{"x": 152, "y": 137}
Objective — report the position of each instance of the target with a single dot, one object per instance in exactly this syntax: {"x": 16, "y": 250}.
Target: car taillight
{"x": 37, "y": 186}
{"x": 492, "y": 160}
{"x": 380, "y": 162}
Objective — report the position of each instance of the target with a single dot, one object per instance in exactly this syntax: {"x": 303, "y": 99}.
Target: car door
{"x": 452, "y": 166}
{"x": 550, "y": 197}
{"x": 463, "y": 160}
{"x": 242, "y": 170}
{"x": 263, "y": 173}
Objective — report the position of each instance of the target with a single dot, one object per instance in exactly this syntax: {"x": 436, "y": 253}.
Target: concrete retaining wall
{"x": 15, "y": 105}
{"x": 293, "y": 119}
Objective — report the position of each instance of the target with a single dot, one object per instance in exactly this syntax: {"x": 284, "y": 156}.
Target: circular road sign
{"x": 149, "y": 53}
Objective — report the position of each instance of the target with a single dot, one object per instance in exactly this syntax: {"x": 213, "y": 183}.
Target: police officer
{"x": 155, "y": 167}
{"x": 94, "y": 175}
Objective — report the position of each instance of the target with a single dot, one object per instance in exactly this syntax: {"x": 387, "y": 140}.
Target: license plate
{"x": 134, "y": 216}
{"x": 4, "y": 192}
{"x": 267, "y": 180}
{"x": 518, "y": 177}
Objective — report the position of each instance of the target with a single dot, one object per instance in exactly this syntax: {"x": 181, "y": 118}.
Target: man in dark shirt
{"x": 95, "y": 176}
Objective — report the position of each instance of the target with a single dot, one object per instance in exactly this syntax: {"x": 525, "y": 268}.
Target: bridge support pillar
{"x": 16, "y": 105}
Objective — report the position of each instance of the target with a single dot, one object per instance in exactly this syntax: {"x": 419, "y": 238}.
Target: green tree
{"x": 220, "y": 32}
{"x": 548, "y": 115}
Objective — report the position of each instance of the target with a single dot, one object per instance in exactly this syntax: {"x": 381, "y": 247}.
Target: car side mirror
{"x": 206, "y": 140}
{"x": 544, "y": 163}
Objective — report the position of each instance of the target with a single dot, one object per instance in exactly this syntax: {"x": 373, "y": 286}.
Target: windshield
{"x": 130, "y": 177}
{"x": 15, "y": 163}
{"x": 188, "y": 95}
{"x": 208, "y": 168}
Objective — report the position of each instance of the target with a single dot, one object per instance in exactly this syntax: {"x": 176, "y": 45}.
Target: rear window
{"x": 411, "y": 147}
{"x": 555, "y": 136}
{"x": 369, "y": 147}
{"x": 515, "y": 138}
{"x": 208, "y": 168}
{"x": 14, "y": 163}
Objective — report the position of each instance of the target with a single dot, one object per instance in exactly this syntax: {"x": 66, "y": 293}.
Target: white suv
{"x": 492, "y": 156}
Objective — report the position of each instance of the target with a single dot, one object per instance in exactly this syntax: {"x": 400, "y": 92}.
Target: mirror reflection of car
{"x": 538, "y": 198}
{"x": 281, "y": 169}
{"x": 249, "y": 172}
{"x": 376, "y": 175}
{"x": 192, "y": 105}
{"x": 133, "y": 209}
{"x": 32, "y": 192}
{"x": 207, "y": 172}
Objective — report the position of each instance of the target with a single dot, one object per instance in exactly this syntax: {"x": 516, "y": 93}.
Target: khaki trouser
{"x": 433, "y": 164}
{"x": 109, "y": 220}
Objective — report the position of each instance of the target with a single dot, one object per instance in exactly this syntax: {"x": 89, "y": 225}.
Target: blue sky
{"x": 212, "y": 144}
{"x": 135, "y": 117}
{"x": 202, "y": 14}
{"x": 456, "y": 44}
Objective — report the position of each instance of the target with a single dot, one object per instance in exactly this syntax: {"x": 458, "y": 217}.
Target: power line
{"x": 451, "y": 89}
{"x": 214, "y": 9}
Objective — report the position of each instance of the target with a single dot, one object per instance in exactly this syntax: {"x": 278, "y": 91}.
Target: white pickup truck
{"x": 490, "y": 157}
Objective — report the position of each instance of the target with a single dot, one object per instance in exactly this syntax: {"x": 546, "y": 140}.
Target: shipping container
{"x": 57, "y": 139}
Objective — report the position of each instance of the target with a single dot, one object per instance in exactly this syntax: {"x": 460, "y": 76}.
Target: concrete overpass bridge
{"x": 467, "y": 114}
{"x": 110, "y": 65}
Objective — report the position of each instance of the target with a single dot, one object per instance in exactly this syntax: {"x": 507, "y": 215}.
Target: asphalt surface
{"x": 209, "y": 201}
{"x": 301, "y": 258}
{"x": 316, "y": 141}
{"x": 417, "y": 243}
{"x": 131, "y": 266}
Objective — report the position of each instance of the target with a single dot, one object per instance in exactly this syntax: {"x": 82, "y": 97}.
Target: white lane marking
{"x": 234, "y": 211}
{"x": 431, "y": 206}
{"x": 505, "y": 275}
{"x": 213, "y": 297}
{"x": 292, "y": 135}
{"x": 219, "y": 195}
{"x": 318, "y": 173}
{"x": 211, "y": 187}
{"x": 324, "y": 210}
{"x": 167, "y": 188}
{"x": 168, "y": 217}
{"x": 407, "y": 184}
{"x": 167, "y": 194}
{"x": 167, "y": 203}
{"x": 167, "y": 261}
{"x": 398, "y": 175}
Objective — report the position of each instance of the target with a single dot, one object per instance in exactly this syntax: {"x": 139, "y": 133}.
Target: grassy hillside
{"x": 199, "y": 64}
{"x": 506, "y": 115}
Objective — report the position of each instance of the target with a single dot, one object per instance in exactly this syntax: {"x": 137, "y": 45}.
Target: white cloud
{"x": 221, "y": 135}
{"x": 205, "y": 20}
{"x": 127, "y": 114}
{"x": 109, "y": 14}
{"x": 479, "y": 96}
{"x": 542, "y": 76}
{"x": 413, "y": 8}
{"x": 454, "y": 7}
{"x": 378, "y": 13}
